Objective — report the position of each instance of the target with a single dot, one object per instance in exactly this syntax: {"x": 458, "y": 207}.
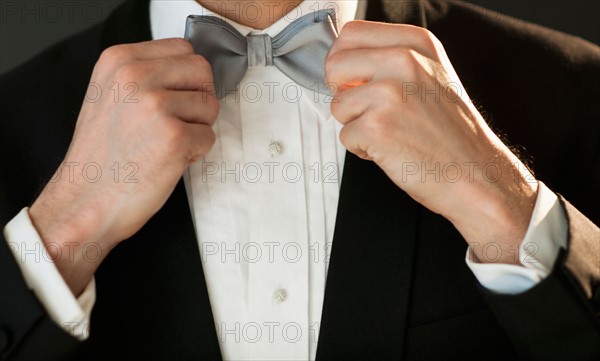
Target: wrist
{"x": 68, "y": 236}
{"x": 495, "y": 215}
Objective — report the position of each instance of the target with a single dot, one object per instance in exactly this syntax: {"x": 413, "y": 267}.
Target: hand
{"x": 403, "y": 106}
{"x": 165, "y": 129}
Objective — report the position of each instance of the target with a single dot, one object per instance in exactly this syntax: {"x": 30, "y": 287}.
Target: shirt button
{"x": 279, "y": 296}
{"x": 274, "y": 149}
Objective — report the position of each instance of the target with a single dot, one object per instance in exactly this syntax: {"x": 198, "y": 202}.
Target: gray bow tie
{"x": 298, "y": 51}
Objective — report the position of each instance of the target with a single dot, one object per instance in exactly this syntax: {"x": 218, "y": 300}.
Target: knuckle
{"x": 377, "y": 127}
{"x": 211, "y": 138}
{"x": 172, "y": 134}
{"x": 181, "y": 43}
{"x": 388, "y": 90}
{"x": 427, "y": 38}
{"x": 344, "y": 136}
{"x": 399, "y": 56}
{"x": 111, "y": 58}
{"x": 208, "y": 142}
{"x": 421, "y": 33}
{"x": 115, "y": 54}
{"x": 350, "y": 27}
{"x": 403, "y": 59}
{"x": 155, "y": 101}
{"x": 129, "y": 72}
{"x": 204, "y": 67}
{"x": 200, "y": 61}
{"x": 198, "y": 68}
{"x": 425, "y": 32}
{"x": 213, "y": 109}
{"x": 332, "y": 64}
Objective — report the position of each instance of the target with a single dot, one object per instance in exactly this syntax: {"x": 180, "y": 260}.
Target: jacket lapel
{"x": 369, "y": 278}
{"x": 368, "y": 283}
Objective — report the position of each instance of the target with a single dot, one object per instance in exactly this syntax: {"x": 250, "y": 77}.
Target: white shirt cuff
{"x": 44, "y": 279}
{"x": 546, "y": 234}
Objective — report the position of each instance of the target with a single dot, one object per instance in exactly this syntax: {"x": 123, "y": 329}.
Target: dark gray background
{"x": 27, "y": 27}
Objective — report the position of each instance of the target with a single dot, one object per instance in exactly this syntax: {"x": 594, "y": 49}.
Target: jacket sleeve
{"x": 559, "y": 318}
{"x": 26, "y": 330}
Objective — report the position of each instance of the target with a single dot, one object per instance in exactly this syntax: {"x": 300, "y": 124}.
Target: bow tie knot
{"x": 298, "y": 51}
{"x": 260, "y": 50}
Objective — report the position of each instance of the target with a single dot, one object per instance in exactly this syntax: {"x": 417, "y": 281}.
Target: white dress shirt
{"x": 264, "y": 203}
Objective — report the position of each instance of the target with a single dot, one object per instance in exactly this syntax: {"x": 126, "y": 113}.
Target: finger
{"x": 199, "y": 141}
{"x": 367, "y": 34}
{"x": 183, "y": 72}
{"x": 352, "y": 103}
{"x": 193, "y": 106}
{"x": 148, "y": 50}
{"x": 354, "y": 140}
{"x": 350, "y": 68}
{"x": 187, "y": 106}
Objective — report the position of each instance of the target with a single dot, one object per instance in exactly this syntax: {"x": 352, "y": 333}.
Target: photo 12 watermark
{"x": 51, "y": 12}
{"x": 269, "y": 252}
{"x": 93, "y": 172}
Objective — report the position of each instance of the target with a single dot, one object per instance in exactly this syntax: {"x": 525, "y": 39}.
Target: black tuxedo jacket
{"x": 398, "y": 286}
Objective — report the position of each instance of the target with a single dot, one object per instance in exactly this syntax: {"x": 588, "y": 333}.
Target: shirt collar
{"x": 168, "y": 17}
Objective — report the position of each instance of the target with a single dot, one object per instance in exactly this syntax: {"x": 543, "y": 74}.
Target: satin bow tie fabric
{"x": 298, "y": 51}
